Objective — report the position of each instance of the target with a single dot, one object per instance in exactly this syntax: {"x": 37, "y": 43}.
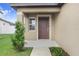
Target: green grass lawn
{"x": 57, "y": 51}
{"x": 6, "y": 48}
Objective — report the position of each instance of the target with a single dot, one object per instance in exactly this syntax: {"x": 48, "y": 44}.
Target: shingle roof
{"x": 7, "y": 21}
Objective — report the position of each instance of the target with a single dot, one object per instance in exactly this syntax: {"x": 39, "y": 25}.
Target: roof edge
{"x": 7, "y": 21}
{"x": 19, "y": 5}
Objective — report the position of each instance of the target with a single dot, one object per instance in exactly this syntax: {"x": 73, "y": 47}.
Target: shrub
{"x": 18, "y": 38}
{"x": 57, "y": 51}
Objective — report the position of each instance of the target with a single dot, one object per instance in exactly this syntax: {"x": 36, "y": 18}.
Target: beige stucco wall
{"x": 32, "y": 35}
{"x": 39, "y": 10}
{"x": 29, "y": 35}
{"x": 67, "y": 28}
{"x": 53, "y": 26}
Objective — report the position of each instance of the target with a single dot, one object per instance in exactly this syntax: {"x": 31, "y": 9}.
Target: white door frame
{"x": 42, "y": 15}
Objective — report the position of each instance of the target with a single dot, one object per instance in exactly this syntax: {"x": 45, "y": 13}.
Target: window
{"x": 32, "y": 23}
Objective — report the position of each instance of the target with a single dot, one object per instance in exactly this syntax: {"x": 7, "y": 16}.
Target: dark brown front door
{"x": 43, "y": 27}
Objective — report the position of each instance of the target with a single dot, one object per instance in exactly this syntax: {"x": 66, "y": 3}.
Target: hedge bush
{"x": 57, "y": 51}
{"x": 18, "y": 38}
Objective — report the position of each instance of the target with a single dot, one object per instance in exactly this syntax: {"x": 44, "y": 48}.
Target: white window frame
{"x": 31, "y": 24}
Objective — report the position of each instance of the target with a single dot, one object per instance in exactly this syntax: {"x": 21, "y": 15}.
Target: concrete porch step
{"x": 41, "y": 43}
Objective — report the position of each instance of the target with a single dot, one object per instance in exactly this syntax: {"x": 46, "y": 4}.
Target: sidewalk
{"x": 40, "y": 51}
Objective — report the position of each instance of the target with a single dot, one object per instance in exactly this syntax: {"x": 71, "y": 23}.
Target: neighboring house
{"x": 51, "y": 21}
{"x": 6, "y": 27}
{"x": 1, "y": 12}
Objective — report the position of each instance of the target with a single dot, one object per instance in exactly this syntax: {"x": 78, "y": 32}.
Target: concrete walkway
{"x": 40, "y": 51}
{"x": 41, "y": 47}
{"x": 41, "y": 43}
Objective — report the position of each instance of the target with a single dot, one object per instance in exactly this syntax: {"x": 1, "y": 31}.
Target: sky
{"x": 9, "y": 13}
